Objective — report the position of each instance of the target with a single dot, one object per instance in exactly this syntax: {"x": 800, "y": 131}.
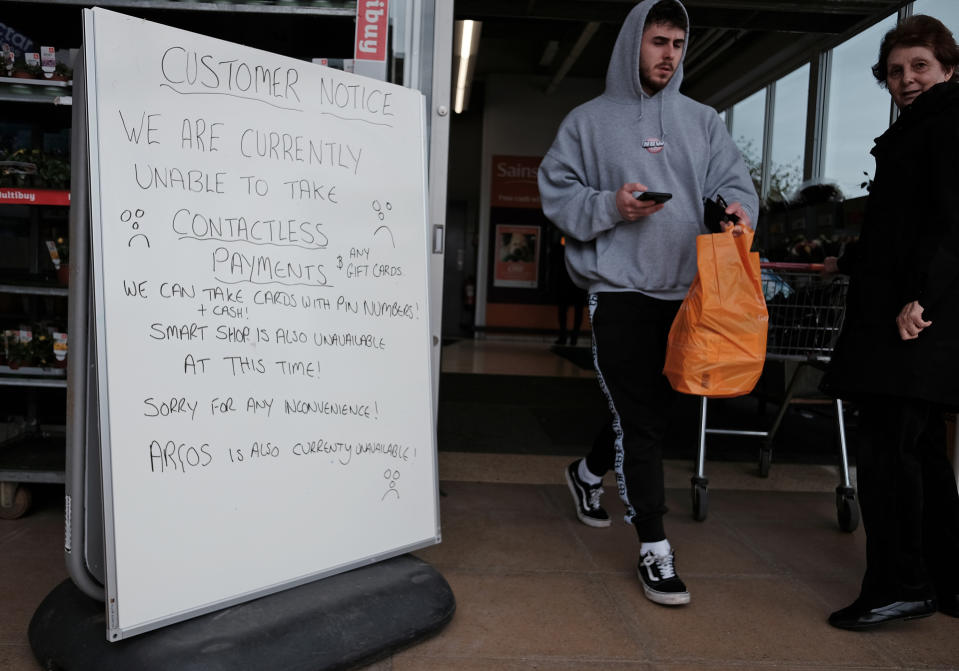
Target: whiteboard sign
{"x": 260, "y": 244}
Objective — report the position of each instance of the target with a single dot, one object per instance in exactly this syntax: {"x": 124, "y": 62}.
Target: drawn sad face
{"x": 133, "y": 218}
{"x": 392, "y": 476}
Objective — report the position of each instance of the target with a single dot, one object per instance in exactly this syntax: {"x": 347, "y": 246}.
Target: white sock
{"x": 586, "y": 475}
{"x": 658, "y": 548}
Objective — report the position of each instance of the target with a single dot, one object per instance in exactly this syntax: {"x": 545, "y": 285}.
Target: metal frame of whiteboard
{"x": 83, "y": 538}
{"x": 96, "y": 318}
{"x": 114, "y": 631}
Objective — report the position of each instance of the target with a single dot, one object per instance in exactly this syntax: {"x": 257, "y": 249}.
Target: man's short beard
{"x": 655, "y": 87}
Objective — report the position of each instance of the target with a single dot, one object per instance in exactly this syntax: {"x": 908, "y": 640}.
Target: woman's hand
{"x": 830, "y": 265}
{"x": 910, "y": 321}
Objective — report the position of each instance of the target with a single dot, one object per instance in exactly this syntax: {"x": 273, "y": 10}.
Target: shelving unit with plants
{"x": 34, "y": 263}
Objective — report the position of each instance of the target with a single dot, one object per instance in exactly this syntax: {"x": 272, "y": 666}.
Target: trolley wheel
{"x": 700, "y": 500}
{"x": 22, "y": 498}
{"x": 765, "y": 461}
{"x": 847, "y": 510}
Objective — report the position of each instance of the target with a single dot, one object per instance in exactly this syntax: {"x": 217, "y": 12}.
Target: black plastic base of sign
{"x": 335, "y": 623}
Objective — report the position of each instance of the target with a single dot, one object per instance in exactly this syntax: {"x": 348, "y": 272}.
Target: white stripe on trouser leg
{"x": 617, "y": 424}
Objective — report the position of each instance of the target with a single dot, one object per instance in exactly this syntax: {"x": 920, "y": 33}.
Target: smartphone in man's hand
{"x": 655, "y": 196}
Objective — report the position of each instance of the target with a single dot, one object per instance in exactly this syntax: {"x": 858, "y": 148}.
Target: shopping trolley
{"x": 806, "y": 311}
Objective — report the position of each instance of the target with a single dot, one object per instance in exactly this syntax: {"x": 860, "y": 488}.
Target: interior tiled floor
{"x": 535, "y": 589}
{"x": 528, "y": 356}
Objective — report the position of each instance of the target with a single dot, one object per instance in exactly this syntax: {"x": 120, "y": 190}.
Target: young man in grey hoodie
{"x": 637, "y": 258}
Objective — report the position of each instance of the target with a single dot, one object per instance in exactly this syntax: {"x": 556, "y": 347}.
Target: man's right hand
{"x": 631, "y": 208}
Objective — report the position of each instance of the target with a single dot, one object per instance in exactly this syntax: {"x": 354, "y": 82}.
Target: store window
{"x": 789, "y": 135}
{"x": 946, "y": 11}
{"x": 747, "y": 132}
{"x": 858, "y": 111}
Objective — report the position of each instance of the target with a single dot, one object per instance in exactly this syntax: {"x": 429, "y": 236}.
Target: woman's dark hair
{"x": 668, "y": 12}
{"x": 919, "y": 31}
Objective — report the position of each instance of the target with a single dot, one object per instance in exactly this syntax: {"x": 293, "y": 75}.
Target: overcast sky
{"x": 859, "y": 109}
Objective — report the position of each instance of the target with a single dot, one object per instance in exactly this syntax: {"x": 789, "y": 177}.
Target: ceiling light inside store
{"x": 549, "y": 53}
{"x": 466, "y": 38}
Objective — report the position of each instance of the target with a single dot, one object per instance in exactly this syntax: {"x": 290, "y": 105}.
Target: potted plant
{"x": 21, "y": 71}
{"x": 16, "y": 170}
{"x": 62, "y": 72}
{"x": 59, "y": 349}
{"x": 41, "y": 350}
{"x": 7, "y": 60}
{"x": 18, "y": 353}
{"x": 52, "y": 170}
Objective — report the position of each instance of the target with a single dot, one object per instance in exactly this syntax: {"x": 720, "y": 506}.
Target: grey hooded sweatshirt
{"x": 668, "y": 142}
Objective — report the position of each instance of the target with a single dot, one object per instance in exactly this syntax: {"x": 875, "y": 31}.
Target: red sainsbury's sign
{"x": 371, "y": 27}
{"x": 513, "y": 182}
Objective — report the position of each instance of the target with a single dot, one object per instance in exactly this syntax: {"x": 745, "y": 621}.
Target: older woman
{"x": 898, "y": 354}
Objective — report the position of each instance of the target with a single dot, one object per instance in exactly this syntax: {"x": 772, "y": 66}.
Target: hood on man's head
{"x": 622, "y": 77}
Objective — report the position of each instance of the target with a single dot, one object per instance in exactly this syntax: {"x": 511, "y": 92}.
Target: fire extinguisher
{"x": 469, "y": 292}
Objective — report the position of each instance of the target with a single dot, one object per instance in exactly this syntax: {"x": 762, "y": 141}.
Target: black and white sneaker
{"x": 658, "y": 575}
{"x": 586, "y": 498}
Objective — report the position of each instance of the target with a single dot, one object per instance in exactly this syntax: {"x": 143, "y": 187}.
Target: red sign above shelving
{"x": 17, "y": 196}
{"x": 371, "y": 26}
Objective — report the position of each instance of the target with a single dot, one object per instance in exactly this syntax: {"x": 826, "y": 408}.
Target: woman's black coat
{"x": 908, "y": 250}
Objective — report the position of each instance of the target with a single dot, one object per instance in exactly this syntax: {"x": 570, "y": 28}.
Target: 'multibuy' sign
{"x": 18, "y": 196}
{"x": 371, "y": 25}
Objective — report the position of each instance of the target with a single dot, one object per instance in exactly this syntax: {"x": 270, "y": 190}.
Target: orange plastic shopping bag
{"x": 717, "y": 343}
